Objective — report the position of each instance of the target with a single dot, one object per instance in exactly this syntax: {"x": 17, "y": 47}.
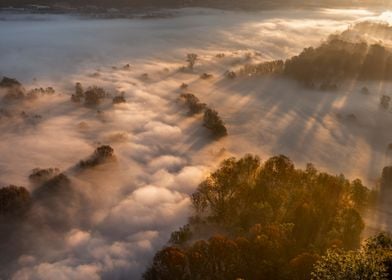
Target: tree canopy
{"x": 263, "y": 220}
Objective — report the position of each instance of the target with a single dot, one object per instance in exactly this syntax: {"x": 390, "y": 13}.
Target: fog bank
{"x": 127, "y": 209}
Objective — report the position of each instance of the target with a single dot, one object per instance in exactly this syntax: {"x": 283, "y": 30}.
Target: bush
{"x": 214, "y": 123}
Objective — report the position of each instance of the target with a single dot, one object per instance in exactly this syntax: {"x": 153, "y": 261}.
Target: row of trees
{"x": 15, "y": 91}
{"x": 48, "y": 184}
{"x": 334, "y": 60}
{"x": 267, "y": 221}
{"x": 94, "y": 95}
{"x": 211, "y": 118}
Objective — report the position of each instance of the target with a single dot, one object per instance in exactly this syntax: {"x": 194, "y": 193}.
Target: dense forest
{"x": 335, "y": 60}
{"x": 270, "y": 220}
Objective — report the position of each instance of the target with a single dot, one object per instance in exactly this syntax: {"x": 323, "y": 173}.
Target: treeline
{"x": 48, "y": 185}
{"x": 211, "y": 119}
{"x": 270, "y": 220}
{"x": 333, "y": 61}
{"x": 262, "y": 4}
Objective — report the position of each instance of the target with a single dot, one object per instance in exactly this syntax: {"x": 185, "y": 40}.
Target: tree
{"x": 384, "y": 102}
{"x": 191, "y": 58}
{"x": 214, "y": 123}
{"x": 193, "y": 103}
{"x": 269, "y": 220}
{"x": 39, "y": 176}
{"x": 9, "y": 82}
{"x": 102, "y": 154}
{"x": 94, "y": 95}
{"x": 372, "y": 261}
{"x": 14, "y": 201}
{"x": 168, "y": 264}
{"x": 119, "y": 99}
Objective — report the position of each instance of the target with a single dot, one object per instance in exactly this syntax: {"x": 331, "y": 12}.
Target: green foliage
{"x": 334, "y": 60}
{"x": 373, "y": 262}
{"x": 276, "y": 221}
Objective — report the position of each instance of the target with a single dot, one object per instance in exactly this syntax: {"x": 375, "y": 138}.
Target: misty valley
{"x": 190, "y": 142}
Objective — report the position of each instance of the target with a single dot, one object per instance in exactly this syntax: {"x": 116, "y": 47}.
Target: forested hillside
{"x": 270, "y": 220}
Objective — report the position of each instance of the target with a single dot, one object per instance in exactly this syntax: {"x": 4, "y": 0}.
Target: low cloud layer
{"x": 123, "y": 212}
